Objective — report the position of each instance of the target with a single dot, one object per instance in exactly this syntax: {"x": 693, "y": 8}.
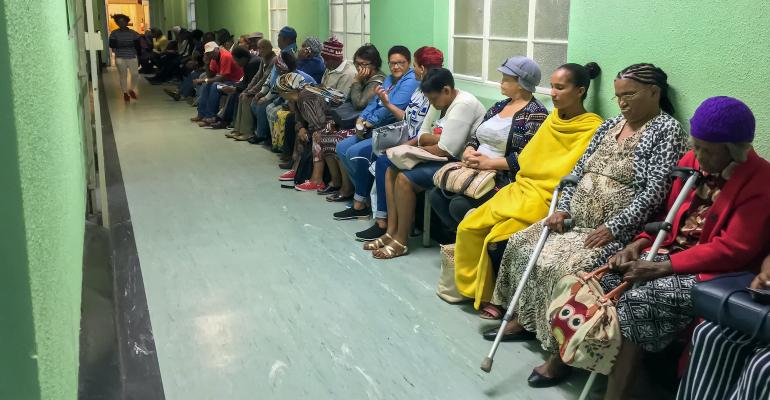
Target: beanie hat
{"x": 429, "y": 57}
{"x": 332, "y": 48}
{"x": 313, "y": 44}
{"x": 288, "y": 32}
{"x": 723, "y": 119}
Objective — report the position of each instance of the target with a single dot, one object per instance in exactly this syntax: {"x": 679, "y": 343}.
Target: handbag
{"x": 584, "y": 321}
{"x": 726, "y": 301}
{"x": 447, "y": 289}
{"x": 345, "y": 116}
{"x": 405, "y": 157}
{"x": 456, "y": 178}
{"x": 388, "y": 136}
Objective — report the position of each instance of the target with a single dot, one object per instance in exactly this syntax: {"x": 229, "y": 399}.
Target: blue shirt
{"x": 314, "y": 66}
{"x": 400, "y": 94}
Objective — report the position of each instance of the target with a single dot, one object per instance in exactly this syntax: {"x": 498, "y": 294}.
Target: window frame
{"x": 486, "y": 38}
{"x": 192, "y": 23}
{"x": 342, "y": 35}
{"x": 270, "y": 27}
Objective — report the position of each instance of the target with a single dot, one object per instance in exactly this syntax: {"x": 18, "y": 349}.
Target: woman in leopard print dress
{"x": 624, "y": 177}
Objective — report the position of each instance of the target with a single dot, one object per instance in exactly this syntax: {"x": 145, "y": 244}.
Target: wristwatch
{"x": 206, "y": 80}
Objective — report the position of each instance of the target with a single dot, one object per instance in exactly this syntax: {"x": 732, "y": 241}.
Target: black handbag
{"x": 726, "y": 301}
{"x": 345, "y": 116}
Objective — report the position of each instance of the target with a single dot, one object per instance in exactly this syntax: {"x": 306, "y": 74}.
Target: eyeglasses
{"x": 399, "y": 63}
{"x": 363, "y": 64}
{"x": 626, "y": 97}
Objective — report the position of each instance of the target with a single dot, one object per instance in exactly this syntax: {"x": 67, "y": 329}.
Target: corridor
{"x": 255, "y": 292}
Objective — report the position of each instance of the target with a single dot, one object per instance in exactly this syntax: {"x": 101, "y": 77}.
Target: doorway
{"x": 138, "y": 11}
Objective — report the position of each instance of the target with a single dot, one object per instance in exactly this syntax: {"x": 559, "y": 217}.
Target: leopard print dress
{"x": 606, "y": 189}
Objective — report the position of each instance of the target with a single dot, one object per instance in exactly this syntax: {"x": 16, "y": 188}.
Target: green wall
{"x": 238, "y": 16}
{"x": 707, "y": 48}
{"x": 42, "y": 204}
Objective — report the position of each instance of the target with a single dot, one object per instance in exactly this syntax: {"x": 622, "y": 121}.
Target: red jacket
{"x": 736, "y": 236}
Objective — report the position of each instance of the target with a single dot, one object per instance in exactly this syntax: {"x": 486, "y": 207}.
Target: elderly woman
{"x": 722, "y": 227}
{"x": 355, "y": 152}
{"x": 551, "y": 154}
{"x": 624, "y": 177}
{"x": 507, "y": 128}
{"x": 369, "y": 76}
{"x": 726, "y": 363}
{"x": 454, "y": 114}
{"x": 425, "y": 59}
{"x": 309, "y": 58}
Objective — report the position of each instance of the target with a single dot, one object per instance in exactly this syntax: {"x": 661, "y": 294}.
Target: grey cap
{"x": 523, "y": 68}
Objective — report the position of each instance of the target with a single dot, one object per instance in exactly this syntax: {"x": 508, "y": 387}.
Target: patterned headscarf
{"x": 314, "y": 45}
{"x": 280, "y": 63}
{"x": 290, "y": 82}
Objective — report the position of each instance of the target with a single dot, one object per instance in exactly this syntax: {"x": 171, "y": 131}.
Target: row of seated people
{"x": 623, "y": 166}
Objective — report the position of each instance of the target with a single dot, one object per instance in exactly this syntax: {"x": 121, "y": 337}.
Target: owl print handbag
{"x": 584, "y": 321}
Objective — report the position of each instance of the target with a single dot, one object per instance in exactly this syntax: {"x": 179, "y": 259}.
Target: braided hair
{"x": 649, "y": 74}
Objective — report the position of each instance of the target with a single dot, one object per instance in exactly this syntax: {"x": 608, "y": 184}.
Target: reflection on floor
{"x": 256, "y": 293}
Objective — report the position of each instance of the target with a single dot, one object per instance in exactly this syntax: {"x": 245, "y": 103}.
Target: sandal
{"x": 490, "y": 311}
{"x": 388, "y": 251}
{"x": 338, "y": 198}
{"x": 378, "y": 243}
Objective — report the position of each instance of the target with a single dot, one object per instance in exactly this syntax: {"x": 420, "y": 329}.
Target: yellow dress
{"x": 546, "y": 159}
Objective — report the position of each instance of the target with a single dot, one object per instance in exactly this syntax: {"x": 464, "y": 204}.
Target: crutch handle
{"x": 569, "y": 180}
{"x": 654, "y": 227}
{"x": 683, "y": 172}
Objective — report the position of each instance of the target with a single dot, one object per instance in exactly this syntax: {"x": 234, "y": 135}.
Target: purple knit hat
{"x": 723, "y": 119}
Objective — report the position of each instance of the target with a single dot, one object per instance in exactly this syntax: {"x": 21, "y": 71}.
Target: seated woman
{"x": 368, "y": 63}
{"x": 454, "y": 114}
{"x": 624, "y": 177}
{"x": 309, "y": 58}
{"x": 728, "y": 364}
{"x": 497, "y": 143}
{"x": 355, "y": 152}
{"x": 722, "y": 227}
{"x": 547, "y": 158}
{"x": 425, "y": 59}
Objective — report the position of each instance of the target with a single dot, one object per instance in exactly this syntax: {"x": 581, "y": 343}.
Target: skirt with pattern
{"x": 325, "y": 141}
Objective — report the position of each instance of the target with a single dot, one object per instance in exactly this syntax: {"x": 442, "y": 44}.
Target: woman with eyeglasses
{"x": 355, "y": 152}
{"x": 369, "y": 76}
{"x": 624, "y": 177}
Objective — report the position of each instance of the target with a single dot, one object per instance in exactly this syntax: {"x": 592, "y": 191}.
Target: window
{"x": 278, "y": 19}
{"x": 486, "y": 32}
{"x": 349, "y": 21}
{"x": 191, "y": 23}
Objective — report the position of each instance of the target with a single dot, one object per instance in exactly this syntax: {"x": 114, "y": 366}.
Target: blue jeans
{"x": 230, "y": 107}
{"x": 208, "y": 103}
{"x": 356, "y": 155}
{"x": 260, "y": 117}
{"x": 383, "y": 163}
{"x": 186, "y": 87}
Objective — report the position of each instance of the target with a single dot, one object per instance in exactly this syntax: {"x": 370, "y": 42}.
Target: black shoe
{"x": 173, "y": 94}
{"x": 519, "y": 336}
{"x": 256, "y": 140}
{"x": 536, "y": 380}
{"x": 352, "y": 213}
{"x": 372, "y": 233}
{"x": 328, "y": 190}
{"x": 218, "y": 125}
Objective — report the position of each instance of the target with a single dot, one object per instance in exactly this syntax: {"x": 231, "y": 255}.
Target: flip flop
{"x": 337, "y": 198}
{"x": 490, "y": 312}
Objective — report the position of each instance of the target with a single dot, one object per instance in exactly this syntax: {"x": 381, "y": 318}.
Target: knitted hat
{"x": 210, "y": 46}
{"x": 332, "y": 48}
{"x": 723, "y": 119}
{"x": 523, "y": 68}
{"x": 290, "y": 82}
{"x": 288, "y": 32}
{"x": 313, "y": 44}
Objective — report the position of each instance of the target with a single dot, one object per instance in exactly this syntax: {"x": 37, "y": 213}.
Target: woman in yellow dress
{"x": 546, "y": 159}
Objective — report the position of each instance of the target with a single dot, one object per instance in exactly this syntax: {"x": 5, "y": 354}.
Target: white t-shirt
{"x": 493, "y": 136}
{"x": 461, "y": 119}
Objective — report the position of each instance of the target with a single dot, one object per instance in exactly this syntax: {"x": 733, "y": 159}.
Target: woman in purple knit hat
{"x": 722, "y": 227}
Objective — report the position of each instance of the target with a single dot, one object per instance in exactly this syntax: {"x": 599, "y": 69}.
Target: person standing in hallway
{"x": 124, "y": 42}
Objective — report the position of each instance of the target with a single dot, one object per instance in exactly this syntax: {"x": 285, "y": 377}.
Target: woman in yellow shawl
{"x": 547, "y": 158}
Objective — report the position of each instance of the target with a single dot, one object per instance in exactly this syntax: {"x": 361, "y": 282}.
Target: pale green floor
{"x": 256, "y": 293}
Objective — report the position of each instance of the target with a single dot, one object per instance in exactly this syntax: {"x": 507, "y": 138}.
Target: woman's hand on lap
{"x": 600, "y": 237}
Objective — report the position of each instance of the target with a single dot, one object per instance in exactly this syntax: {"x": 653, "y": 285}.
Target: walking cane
{"x": 662, "y": 229}
{"x": 486, "y": 365}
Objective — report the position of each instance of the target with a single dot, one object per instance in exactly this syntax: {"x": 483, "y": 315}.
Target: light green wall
{"x": 237, "y": 16}
{"x": 174, "y": 13}
{"x": 707, "y": 48}
{"x": 42, "y": 203}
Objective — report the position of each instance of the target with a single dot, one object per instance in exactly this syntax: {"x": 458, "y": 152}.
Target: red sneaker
{"x": 309, "y": 186}
{"x": 126, "y": 98}
{"x": 287, "y": 176}
{"x": 132, "y": 94}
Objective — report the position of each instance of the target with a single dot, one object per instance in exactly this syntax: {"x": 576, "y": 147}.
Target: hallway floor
{"x": 256, "y": 293}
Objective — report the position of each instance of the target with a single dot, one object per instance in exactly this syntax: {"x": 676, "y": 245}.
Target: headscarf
{"x": 290, "y": 82}
{"x": 280, "y": 63}
{"x": 314, "y": 45}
